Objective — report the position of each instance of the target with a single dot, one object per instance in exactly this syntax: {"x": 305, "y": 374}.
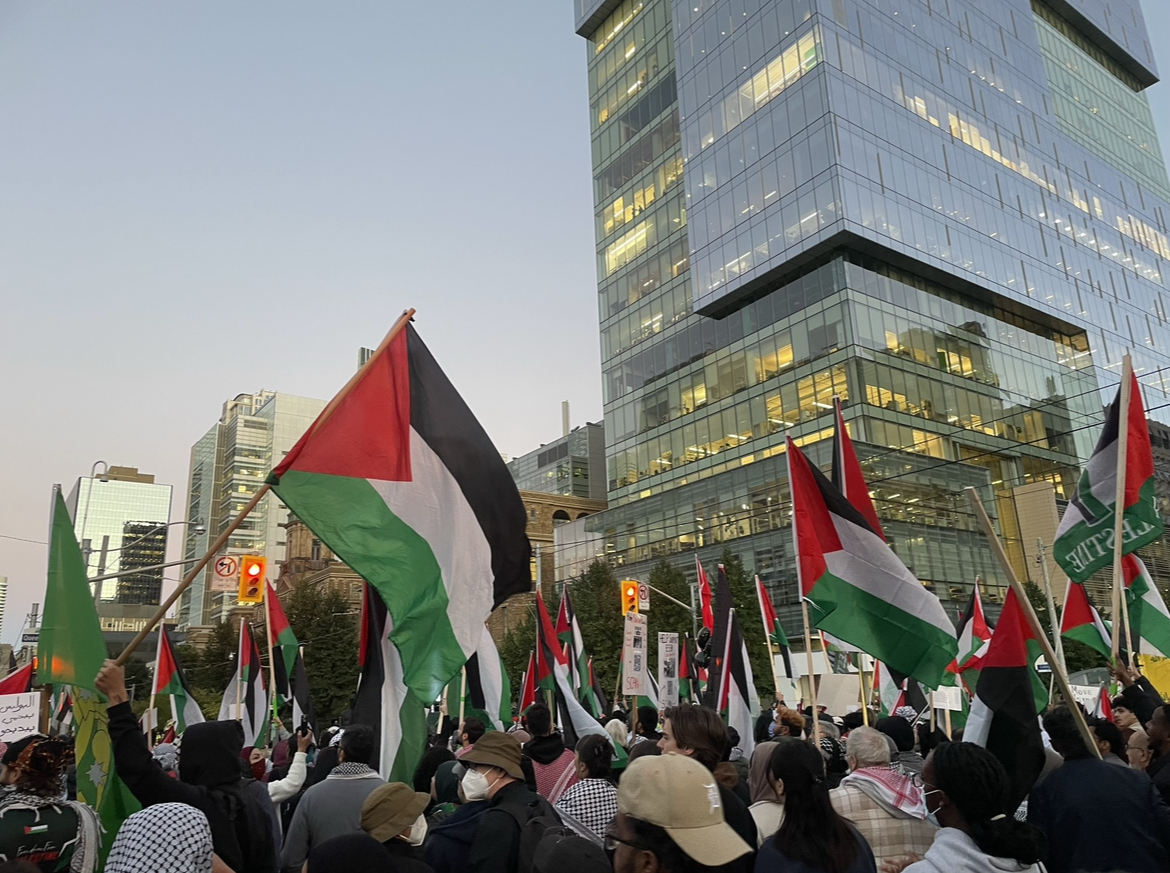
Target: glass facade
{"x": 909, "y": 204}
{"x": 573, "y": 466}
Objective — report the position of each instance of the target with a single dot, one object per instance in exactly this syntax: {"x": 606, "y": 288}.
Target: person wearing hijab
{"x": 393, "y": 815}
{"x": 444, "y": 793}
{"x": 164, "y": 838}
{"x": 767, "y": 807}
{"x": 65, "y": 832}
{"x": 351, "y": 852}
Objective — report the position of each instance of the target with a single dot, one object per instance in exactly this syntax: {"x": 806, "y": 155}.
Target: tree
{"x": 747, "y": 608}
{"x": 514, "y": 650}
{"x": 209, "y": 672}
{"x": 327, "y": 628}
{"x": 597, "y": 601}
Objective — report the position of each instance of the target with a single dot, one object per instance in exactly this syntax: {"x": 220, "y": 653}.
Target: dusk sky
{"x": 206, "y": 199}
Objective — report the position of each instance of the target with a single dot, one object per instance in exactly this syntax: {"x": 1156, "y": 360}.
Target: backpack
{"x": 535, "y": 819}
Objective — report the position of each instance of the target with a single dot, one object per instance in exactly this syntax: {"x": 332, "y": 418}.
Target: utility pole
{"x": 1058, "y": 644}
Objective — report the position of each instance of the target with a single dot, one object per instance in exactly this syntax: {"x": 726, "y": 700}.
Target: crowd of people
{"x": 656, "y": 792}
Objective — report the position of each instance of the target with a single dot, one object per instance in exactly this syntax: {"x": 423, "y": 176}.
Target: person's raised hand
{"x": 1125, "y": 675}
{"x": 111, "y": 681}
{"x": 304, "y": 741}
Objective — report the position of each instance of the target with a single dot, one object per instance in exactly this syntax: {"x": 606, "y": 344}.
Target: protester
{"x": 884, "y": 804}
{"x": 642, "y": 750}
{"x": 1137, "y": 750}
{"x": 767, "y": 808}
{"x": 424, "y": 773}
{"x": 393, "y": 815}
{"x": 618, "y": 733}
{"x": 646, "y": 726}
{"x": 352, "y": 853}
{"x": 66, "y": 832}
{"x": 593, "y": 800}
{"x": 1124, "y": 718}
{"x": 242, "y": 820}
{"x": 168, "y": 758}
{"x": 1158, "y": 733}
{"x": 736, "y": 758}
{"x": 551, "y": 761}
{"x": 699, "y": 733}
{"x": 164, "y": 838}
{"x": 670, "y": 821}
{"x": 966, "y": 789}
{"x": 569, "y": 853}
{"x": 1109, "y": 741}
{"x": 788, "y": 723}
{"x": 448, "y": 844}
{"x": 899, "y": 730}
{"x": 812, "y": 838}
{"x": 836, "y": 760}
{"x": 444, "y": 792}
{"x": 280, "y": 790}
{"x": 1097, "y": 817}
{"x": 333, "y": 807}
{"x": 1138, "y": 694}
{"x": 495, "y": 773}
{"x": 469, "y": 733}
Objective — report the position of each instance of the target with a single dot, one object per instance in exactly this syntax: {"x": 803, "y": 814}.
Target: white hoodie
{"x": 954, "y": 852}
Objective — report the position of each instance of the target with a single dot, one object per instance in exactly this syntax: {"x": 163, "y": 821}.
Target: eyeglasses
{"x": 611, "y": 841}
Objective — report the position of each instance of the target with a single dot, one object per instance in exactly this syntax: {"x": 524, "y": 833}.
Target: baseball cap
{"x": 497, "y": 749}
{"x": 680, "y": 795}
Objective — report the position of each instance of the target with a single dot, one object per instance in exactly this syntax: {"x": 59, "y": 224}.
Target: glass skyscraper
{"x": 951, "y": 214}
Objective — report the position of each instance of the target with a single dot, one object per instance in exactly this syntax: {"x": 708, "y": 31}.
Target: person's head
{"x": 539, "y": 720}
{"x": 1123, "y": 716}
{"x": 616, "y": 728}
{"x": 764, "y": 726}
{"x": 761, "y": 786}
{"x": 36, "y": 764}
{"x": 1108, "y": 737}
{"x": 732, "y": 737}
{"x": 967, "y": 788}
{"x": 789, "y": 723}
{"x": 594, "y": 758}
{"x": 444, "y": 785}
{"x": 429, "y": 765}
{"x": 1064, "y": 734}
{"x": 356, "y": 745}
{"x": 166, "y": 755}
{"x": 1137, "y": 750}
{"x": 642, "y": 750}
{"x": 647, "y": 721}
{"x": 358, "y": 851}
{"x": 851, "y": 721}
{"x": 811, "y": 833}
{"x": 897, "y": 729}
{"x": 1158, "y": 729}
{"x": 394, "y": 811}
{"x": 491, "y": 764}
{"x": 696, "y": 732}
{"x": 866, "y": 747}
{"x": 185, "y": 843}
{"x": 670, "y": 819}
{"x": 471, "y": 731}
{"x": 569, "y": 853}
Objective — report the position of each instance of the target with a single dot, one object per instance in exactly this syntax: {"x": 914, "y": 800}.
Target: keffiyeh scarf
{"x": 165, "y": 838}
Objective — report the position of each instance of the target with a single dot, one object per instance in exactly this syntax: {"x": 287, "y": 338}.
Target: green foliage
{"x": 328, "y": 630}
{"x": 747, "y": 608}
{"x": 598, "y": 603}
{"x": 1077, "y": 656}
{"x": 516, "y": 646}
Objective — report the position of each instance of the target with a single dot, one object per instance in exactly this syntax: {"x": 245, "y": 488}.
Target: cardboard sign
{"x": 949, "y": 697}
{"x": 837, "y": 692}
{"x": 20, "y": 715}
{"x": 635, "y": 670}
{"x": 667, "y": 670}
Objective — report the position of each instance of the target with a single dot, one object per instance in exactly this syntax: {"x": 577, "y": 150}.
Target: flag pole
{"x": 861, "y": 684}
{"x": 401, "y": 323}
{"x": 271, "y": 663}
{"x": 1034, "y": 622}
{"x": 812, "y": 679}
{"x": 1119, "y": 507}
{"x": 154, "y": 681}
{"x": 462, "y": 694}
{"x": 768, "y": 639}
{"x": 239, "y": 672}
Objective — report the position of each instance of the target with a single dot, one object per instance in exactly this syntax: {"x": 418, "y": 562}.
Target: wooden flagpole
{"x": 768, "y": 640}
{"x": 861, "y": 684}
{"x": 154, "y": 682}
{"x": 812, "y": 679}
{"x": 161, "y": 612}
{"x": 240, "y": 673}
{"x": 1119, "y": 510}
{"x": 462, "y": 694}
{"x": 1026, "y": 605}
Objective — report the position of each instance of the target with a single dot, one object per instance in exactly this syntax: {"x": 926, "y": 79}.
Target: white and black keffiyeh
{"x": 165, "y": 838}
{"x": 593, "y": 802}
{"x": 85, "y": 851}
{"x": 351, "y": 770}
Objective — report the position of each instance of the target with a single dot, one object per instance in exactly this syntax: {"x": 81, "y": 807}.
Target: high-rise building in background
{"x": 121, "y": 520}
{"x": 951, "y": 214}
{"x": 573, "y": 465}
{"x": 228, "y": 465}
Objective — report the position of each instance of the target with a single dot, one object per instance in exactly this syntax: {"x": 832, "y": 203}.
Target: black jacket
{"x": 448, "y": 844}
{"x": 407, "y": 859}
{"x": 1142, "y": 699}
{"x": 209, "y": 780}
{"x": 1099, "y": 817}
{"x": 736, "y": 814}
{"x": 496, "y": 848}
{"x": 545, "y": 750}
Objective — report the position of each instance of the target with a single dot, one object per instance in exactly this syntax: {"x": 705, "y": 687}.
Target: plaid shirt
{"x": 887, "y": 836}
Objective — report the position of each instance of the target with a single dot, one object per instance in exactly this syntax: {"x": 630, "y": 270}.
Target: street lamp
{"x": 85, "y": 549}
{"x": 197, "y": 525}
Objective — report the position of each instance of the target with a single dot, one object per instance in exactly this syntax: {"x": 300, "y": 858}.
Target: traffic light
{"x": 252, "y": 578}
{"x": 629, "y": 596}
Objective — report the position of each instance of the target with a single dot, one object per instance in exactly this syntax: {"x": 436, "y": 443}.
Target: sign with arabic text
{"x": 20, "y": 715}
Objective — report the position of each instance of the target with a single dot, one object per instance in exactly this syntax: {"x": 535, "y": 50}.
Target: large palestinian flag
{"x": 244, "y": 699}
{"x": 528, "y": 685}
{"x": 1081, "y": 622}
{"x": 722, "y": 611}
{"x": 1149, "y": 620}
{"x": 284, "y": 644}
{"x": 569, "y": 633}
{"x": 738, "y": 698}
{"x": 399, "y": 479}
{"x": 857, "y": 588}
{"x": 169, "y": 680}
{"x": 383, "y": 700}
{"x": 846, "y": 474}
{"x": 1008, "y": 699}
{"x": 1084, "y": 540}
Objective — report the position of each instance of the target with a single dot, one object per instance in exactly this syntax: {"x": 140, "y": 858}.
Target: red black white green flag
{"x": 552, "y": 674}
{"x": 401, "y": 482}
{"x": 245, "y": 699}
{"x": 719, "y": 636}
{"x": 169, "y": 680}
{"x": 1080, "y": 621}
{"x": 974, "y": 638}
{"x": 1149, "y": 621}
{"x": 857, "y": 588}
{"x": 738, "y": 698}
{"x": 569, "y": 633}
{"x": 775, "y": 630}
{"x": 1084, "y": 540}
{"x": 1008, "y": 700}
{"x": 284, "y": 644}
{"x": 846, "y": 473}
{"x": 528, "y": 684}
{"x": 302, "y": 701}
{"x": 705, "y": 597}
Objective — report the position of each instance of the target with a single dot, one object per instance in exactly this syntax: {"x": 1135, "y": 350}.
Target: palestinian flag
{"x": 1149, "y": 621}
{"x": 705, "y": 598}
{"x": 738, "y": 697}
{"x": 1084, "y": 540}
{"x": 302, "y": 701}
{"x": 846, "y": 473}
{"x": 1008, "y": 699}
{"x": 169, "y": 680}
{"x": 598, "y": 693}
{"x": 284, "y": 644}
{"x": 569, "y": 633}
{"x": 687, "y": 682}
{"x": 857, "y": 588}
{"x": 974, "y": 637}
{"x": 244, "y": 699}
{"x": 487, "y": 692}
{"x": 552, "y": 674}
{"x": 62, "y": 712}
{"x": 775, "y": 630}
{"x": 723, "y": 606}
{"x": 1081, "y": 622}
{"x": 528, "y": 685}
{"x": 19, "y": 681}
{"x": 401, "y": 482}
{"x": 1104, "y": 707}
{"x": 383, "y": 700}
{"x": 650, "y": 698}
{"x": 890, "y": 694}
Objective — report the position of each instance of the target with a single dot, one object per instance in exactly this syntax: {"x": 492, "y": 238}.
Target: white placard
{"x": 837, "y": 692}
{"x": 788, "y": 693}
{"x": 635, "y": 670}
{"x": 1086, "y": 695}
{"x": 20, "y": 715}
{"x": 949, "y": 697}
{"x": 667, "y": 670}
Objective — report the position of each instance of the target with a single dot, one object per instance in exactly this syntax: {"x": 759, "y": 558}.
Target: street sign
{"x": 643, "y": 597}
{"x": 30, "y": 637}
{"x": 225, "y": 573}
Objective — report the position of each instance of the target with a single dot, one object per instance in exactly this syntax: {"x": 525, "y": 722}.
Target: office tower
{"x": 228, "y": 465}
{"x": 121, "y": 519}
{"x": 573, "y": 465}
{"x": 950, "y": 213}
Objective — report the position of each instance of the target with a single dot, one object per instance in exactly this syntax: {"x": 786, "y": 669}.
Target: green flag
{"x": 70, "y": 652}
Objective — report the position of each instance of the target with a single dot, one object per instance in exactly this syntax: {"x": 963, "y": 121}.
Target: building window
{"x": 315, "y": 550}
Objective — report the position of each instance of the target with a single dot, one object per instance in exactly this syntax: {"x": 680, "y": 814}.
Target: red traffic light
{"x": 629, "y": 596}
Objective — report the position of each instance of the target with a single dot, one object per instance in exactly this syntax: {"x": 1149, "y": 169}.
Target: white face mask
{"x": 475, "y": 785}
{"x": 418, "y": 831}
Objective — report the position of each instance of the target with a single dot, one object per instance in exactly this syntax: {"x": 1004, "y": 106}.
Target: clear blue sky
{"x": 210, "y": 198}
